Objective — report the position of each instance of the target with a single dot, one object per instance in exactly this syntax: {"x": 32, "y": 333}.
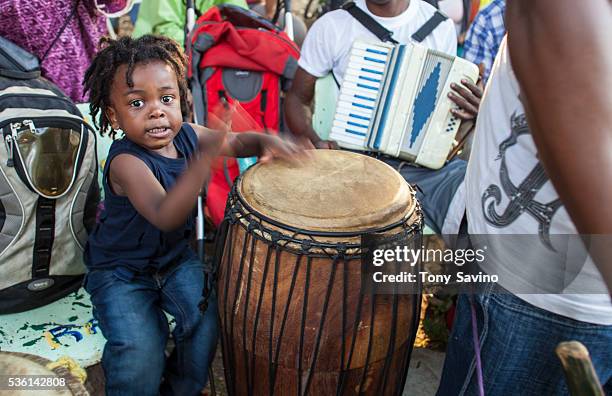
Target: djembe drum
{"x": 295, "y": 316}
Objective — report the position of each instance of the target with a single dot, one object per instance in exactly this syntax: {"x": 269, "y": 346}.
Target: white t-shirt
{"x": 508, "y": 192}
{"x": 330, "y": 38}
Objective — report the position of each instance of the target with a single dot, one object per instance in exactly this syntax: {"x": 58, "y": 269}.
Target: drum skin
{"x": 295, "y": 319}
{"x": 22, "y": 364}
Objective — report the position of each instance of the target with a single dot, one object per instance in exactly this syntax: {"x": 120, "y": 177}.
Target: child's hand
{"x": 211, "y": 142}
{"x": 274, "y": 147}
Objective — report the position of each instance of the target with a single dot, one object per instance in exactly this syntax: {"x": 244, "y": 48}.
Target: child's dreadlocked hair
{"x": 131, "y": 52}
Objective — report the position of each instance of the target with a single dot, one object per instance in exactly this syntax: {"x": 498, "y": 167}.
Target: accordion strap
{"x": 429, "y": 26}
{"x": 370, "y": 23}
{"x": 386, "y": 35}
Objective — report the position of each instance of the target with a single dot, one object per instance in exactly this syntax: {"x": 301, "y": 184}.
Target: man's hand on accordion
{"x": 467, "y": 96}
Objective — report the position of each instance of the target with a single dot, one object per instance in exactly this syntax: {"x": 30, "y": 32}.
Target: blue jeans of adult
{"x": 436, "y": 187}
{"x": 129, "y": 307}
{"x": 517, "y": 342}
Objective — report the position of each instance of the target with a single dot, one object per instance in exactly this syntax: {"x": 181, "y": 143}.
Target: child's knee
{"x": 144, "y": 355}
{"x": 197, "y": 324}
{"x": 188, "y": 324}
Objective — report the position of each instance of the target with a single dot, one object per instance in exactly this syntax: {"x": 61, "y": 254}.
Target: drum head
{"x": 335, "y": 191}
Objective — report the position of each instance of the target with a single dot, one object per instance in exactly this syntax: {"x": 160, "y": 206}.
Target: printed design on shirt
{"x": 522, "y": 196}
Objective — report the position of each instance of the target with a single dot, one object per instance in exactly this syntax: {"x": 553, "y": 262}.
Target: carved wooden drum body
{"x": 295, "y": 316}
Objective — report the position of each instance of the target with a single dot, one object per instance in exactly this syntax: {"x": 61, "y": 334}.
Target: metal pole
{"x": 189, "y": 25}
{"x": 288, "y": 20}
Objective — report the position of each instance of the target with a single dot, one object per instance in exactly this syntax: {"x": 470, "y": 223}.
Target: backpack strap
{"x": 370, "y": 23}
{"x": 202, "y": 43}
{"x": 17, "y": 63}
{"x": 429, "y": 26}
{"x": 20, "y": 75}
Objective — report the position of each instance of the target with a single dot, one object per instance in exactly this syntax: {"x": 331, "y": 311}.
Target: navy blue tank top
{"x": 123, "y": 237}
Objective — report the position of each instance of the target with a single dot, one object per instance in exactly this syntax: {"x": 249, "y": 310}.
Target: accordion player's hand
{"x": 467, "y": 96}
{"x": 468, "y": 99}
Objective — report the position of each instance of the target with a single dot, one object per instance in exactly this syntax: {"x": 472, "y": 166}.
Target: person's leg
{"x": 136, "y": 332}
{"x": 517, "y": 343}
{"x": 436, "y": 188}
{"x": 195, "y": 334}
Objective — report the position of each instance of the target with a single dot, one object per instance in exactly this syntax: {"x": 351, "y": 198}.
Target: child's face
{"x": 149, "y": 113}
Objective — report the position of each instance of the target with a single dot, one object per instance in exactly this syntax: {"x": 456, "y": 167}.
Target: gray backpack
{"x": 48, "y": 185}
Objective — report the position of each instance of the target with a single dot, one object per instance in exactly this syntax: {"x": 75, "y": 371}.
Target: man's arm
{"x": 562, "y": 56}
{"x": 297, "y": 108}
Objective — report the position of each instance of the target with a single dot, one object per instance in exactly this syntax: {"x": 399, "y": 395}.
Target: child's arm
{"x": 249, "y": 144}
{"x": 130, "y": 176}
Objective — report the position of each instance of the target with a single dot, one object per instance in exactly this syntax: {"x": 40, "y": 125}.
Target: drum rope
{"x": 329, "y": 249}
{"x": 303, "y": 325}
{"x": 258, "y": 308}
{"x": 391, "y": 347}
{"x": 343, "y": 370}
{"x": 370, "y": 337}
{"x": 285, "y": 316}
{"x": 244, "y": 318}
{"x": 272, "y": 316}
{"x": 354, "y": 338}
{"x": 233, "y": 313}
{"x": 322, "y": 321}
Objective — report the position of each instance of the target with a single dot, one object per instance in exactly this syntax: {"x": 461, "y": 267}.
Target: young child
{"x": 139, "y": 260}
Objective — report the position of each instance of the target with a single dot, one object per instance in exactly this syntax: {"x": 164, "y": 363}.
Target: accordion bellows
{"x": 394, "y": 100}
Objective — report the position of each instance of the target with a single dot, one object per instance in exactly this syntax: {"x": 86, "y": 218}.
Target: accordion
{"x": 394, "y": 100}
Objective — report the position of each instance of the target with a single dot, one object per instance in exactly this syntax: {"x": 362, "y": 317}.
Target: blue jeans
{"x": 436, "y": 188}
{"x": 129, "y": 308}
{"x": 518, "y": 342}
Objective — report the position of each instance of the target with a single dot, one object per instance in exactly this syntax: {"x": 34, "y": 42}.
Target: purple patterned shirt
{"x": 34, "y": 25}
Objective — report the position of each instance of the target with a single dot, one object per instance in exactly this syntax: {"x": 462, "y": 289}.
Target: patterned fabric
{"x": 35, "y": 24}
{"x": 485, "y": 35}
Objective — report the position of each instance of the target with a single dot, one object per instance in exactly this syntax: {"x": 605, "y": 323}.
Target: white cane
{"x": 288, "y": 19}
{"x": 190, "y": 24}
